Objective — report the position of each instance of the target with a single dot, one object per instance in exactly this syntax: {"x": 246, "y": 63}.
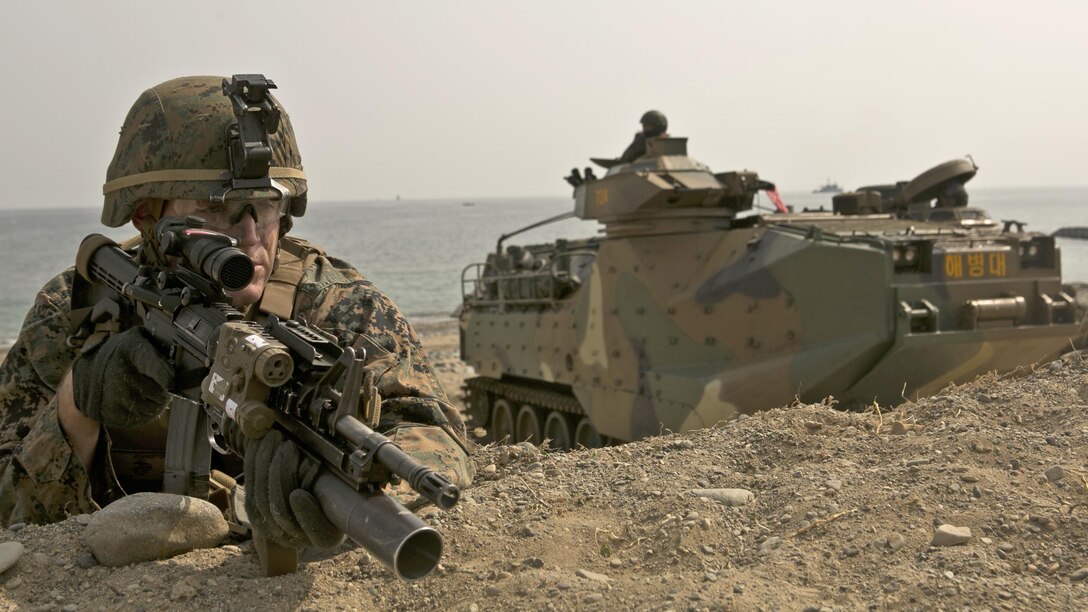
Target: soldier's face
{"x": 255, "y": 228}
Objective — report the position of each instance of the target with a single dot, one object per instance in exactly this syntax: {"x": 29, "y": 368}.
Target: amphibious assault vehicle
{"x": 690, "y": 308}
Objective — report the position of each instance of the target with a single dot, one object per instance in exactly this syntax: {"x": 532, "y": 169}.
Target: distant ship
{"x": 829, "y": 187}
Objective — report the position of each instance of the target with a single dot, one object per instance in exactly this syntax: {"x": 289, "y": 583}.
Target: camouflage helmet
{"x": 657, "y": 122}
{"x": 174, "y": 145}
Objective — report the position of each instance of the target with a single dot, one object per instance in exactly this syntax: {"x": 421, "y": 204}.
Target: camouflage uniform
{"x": 42, "y": 481}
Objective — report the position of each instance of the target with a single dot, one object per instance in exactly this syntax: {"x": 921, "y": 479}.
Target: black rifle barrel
{"x": 433, "y": 486}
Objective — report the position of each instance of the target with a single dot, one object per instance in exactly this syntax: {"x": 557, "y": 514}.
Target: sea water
{"x": 415, "y": 250}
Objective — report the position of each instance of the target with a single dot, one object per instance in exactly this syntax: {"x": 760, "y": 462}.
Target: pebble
{"x": 493, "y": 591}
{"x": 593, "y": 598}
{"x": 533, "y": 562}
{"x": 16, "y": 527}
{"x": 83, "y": 519}
{"x": 896, "y": 541}
{"x": 729, "y": 497}
{"x": 770, "y": 544}
{"x": 594, "y": 576}
{"x": 981, "y": 447}
{"x": 10, "y": 552}
{"x": 950, "y": 535}
{"x": 181, "y": 590}
{"x": 834, "y": 484}
{"x": 1079, "y": 574}
{"x": 1055, "y": 473}
{"x": 918, "y": 461}
{"x": 14, "y": 583}
{"x": 86, "y": 561}
{"x": 899, "y": 428}
{"x": 490, "y": 469}
{"x": 150, "y": 526}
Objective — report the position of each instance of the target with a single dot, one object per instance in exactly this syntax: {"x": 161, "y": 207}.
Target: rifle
{"x": 236, "y": 379}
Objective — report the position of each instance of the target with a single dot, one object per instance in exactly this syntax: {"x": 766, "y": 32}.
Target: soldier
{"x": 654, "y": 124}
{"x": 954, "y": 194}
{"x": 79, "y": 430}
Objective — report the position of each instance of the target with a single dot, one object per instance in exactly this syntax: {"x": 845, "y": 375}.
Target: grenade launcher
{"x": 236, "y": 379}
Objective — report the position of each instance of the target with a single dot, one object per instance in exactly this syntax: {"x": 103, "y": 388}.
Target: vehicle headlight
{"x": 910, "y": 255}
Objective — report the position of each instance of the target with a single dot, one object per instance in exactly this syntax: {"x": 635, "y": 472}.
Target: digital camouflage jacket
{"x": 41, "y": 480}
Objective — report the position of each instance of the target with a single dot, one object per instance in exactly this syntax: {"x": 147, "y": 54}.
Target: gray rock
{"x": 16, "y": 527}
{"x": 148, "y": 526}
{"x": 86, "y": 561}
{"x": 1079, "y": 575}
{"x": 83, "y": 519}
{"x": 770, "y": 544}
{"x": 834, "y": 484}
{"x": 1055, "y": 473}
{"x": 10, "y": 552}
{"x": 950, "y": 535}
{"x": 729, "y": 497}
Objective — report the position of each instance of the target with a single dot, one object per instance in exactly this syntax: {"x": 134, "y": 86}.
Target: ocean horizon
{"x": 415, "y": 250}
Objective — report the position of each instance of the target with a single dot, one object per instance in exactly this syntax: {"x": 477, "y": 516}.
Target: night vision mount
{"x": 249, "y": 139}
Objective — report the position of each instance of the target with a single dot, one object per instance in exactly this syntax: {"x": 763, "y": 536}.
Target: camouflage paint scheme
{"x": 172, "y": 131}
{"x": 42, "y": 481}
{"x": 165, "y": 131}
{"x": 689, "y": 316}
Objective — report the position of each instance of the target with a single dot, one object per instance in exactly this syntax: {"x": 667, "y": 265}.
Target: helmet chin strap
{"x": 149, "y": 253}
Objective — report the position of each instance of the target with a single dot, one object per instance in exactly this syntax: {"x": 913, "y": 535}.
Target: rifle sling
{"x": 292, "y": 259}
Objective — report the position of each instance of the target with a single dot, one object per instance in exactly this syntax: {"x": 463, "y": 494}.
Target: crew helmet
{"x": 657, "y": 122}
{"x": 174, "y": 144}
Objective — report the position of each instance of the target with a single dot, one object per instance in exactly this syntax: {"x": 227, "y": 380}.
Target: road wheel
{"x": 557, "y": 429}
{"x": 502, "y": 422}
{"x": 586, "y": 434}
{"x": 528, "y": 425}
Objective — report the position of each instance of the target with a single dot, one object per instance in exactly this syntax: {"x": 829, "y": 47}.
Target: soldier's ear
{"x": 147, "y": 213}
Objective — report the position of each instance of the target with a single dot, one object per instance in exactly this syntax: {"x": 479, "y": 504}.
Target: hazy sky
{"x": 502, "y": 98}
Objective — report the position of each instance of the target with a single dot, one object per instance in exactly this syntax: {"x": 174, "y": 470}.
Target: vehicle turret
{"x": 684, "y": 313}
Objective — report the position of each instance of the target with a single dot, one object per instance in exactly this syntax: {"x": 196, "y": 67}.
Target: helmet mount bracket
{"x": 249, "y": 138}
